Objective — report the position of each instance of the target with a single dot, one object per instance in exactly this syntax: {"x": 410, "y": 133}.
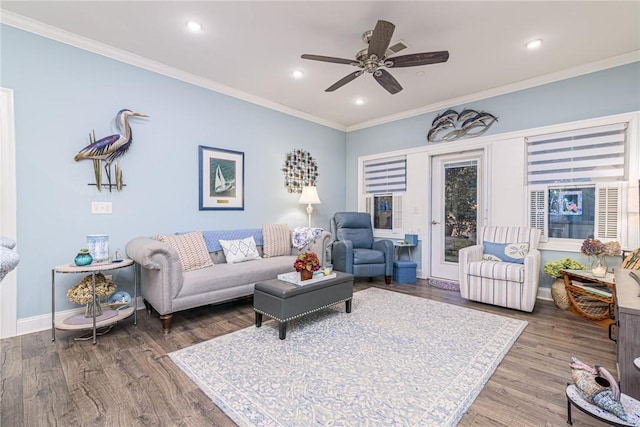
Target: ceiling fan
{"x": 377, "y": 55}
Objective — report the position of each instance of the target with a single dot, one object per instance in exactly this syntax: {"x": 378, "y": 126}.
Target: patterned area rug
{"x": 395, "y": 360}
{"x": 444, "y": 284}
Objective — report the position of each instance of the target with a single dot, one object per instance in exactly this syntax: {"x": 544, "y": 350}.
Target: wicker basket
{"x": 559, "y": 295}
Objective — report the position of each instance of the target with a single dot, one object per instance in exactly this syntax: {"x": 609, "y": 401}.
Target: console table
{"x": 627, "y": 335}
{"x": 590, "y": 302}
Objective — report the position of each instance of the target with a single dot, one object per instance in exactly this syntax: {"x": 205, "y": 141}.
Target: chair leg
{"x": 387, "y": 280}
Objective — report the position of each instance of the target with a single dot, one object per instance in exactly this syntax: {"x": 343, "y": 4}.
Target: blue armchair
{"x": 354, "y": 251}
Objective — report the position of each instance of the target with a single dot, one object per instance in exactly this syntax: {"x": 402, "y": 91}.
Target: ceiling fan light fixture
{"x": 193, "y": 26}
{"x": 359, "y": 101}
{"x": 534, "y": 44}
{"x": 297, "y": 74}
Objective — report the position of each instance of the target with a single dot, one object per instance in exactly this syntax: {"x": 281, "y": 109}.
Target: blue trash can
{"x": 404, "y": 272}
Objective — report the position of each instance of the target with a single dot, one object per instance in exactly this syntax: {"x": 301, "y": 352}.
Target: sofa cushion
{"x": 367, "y": 256}
{"x": 507, "y": 271}
{"x": 191, "y": 249}
{"x": 508, "y": 252}
{"x": 240, "y": 250}
{"x": 277, "y": 240}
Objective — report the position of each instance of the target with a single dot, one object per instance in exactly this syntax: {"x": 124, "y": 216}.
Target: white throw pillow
{"x": 191, "y": 248}
{"x": 240, "y": 250}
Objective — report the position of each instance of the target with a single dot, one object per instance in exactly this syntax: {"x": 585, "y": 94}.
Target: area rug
{"x": 449, "y": 285}
{"x": 396, "y": 360}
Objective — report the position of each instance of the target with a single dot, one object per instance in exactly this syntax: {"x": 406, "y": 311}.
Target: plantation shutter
{"x": 397, "y": 212}
{"x": 593, "y": 154}
{"x": 537, "y": 209}
{"x": 386, "y": 175}
{"x": 368, "y": 205}
{"x": 608, "y": 215}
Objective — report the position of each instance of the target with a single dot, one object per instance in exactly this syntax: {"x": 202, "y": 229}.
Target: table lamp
{"x": 309, "y": 197}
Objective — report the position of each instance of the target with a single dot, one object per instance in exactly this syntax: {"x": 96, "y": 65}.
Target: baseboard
{"x": 545, "y": 294}
{"x": 43, "y": 322}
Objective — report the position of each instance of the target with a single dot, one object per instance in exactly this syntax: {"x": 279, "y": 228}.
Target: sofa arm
{"x": 321, "y": 246}
{"x": 385, "y": 246}
{"x": 342, "y": 255}
{"x": 165, "y": 275}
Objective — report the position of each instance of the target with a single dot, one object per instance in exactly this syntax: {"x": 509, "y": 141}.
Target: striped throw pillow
{"x": 191, "y": 249}
{"x": 277, "y": 240}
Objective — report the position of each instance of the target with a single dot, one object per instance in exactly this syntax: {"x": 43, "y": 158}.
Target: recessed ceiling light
{"x": 359, "y": 101}
{"x": 534, "y": 44}
{"x": 194, "y": 26}
{"x": 297, "y": 74}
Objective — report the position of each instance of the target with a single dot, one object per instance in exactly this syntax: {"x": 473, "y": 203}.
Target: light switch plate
{"x": 101, "y": 207}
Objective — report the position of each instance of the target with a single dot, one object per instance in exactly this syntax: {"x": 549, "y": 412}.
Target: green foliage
{"x": 552, "y": 268}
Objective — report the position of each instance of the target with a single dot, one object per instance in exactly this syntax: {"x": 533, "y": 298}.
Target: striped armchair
{"x": 511, "y": 282}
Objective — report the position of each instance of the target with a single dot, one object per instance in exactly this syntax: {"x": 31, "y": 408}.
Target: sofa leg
{"x": 387, "y": 280}
{"x": 147, "y": 306}
{"x": 165, "y": 319}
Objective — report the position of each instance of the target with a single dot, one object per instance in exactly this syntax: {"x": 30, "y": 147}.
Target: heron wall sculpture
{"x": 110, "y": 148}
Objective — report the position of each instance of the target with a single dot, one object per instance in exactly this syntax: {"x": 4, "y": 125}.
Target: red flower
{"x": 307, "y": 261}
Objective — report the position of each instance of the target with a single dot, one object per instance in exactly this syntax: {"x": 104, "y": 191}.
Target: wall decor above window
{"x": 110, "y": 148}
{"x": 451, "y": 125}
{"x": 300, "y": 169}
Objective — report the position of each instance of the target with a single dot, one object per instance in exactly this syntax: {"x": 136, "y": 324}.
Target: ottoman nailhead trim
{"x": 301, "y": 314}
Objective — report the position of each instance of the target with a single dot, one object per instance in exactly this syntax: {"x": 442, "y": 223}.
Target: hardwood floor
{"x": 127, "y": 379}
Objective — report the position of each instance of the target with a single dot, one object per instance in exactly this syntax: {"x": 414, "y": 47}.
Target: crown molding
{"x": 614, "y": 61}
{"x": 66, "y": 37}
{"x": 39, "y": 28}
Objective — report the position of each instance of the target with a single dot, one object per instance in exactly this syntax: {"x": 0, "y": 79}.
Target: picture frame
{"x": 221, "y": 174}
{"x": 570, "y": 202}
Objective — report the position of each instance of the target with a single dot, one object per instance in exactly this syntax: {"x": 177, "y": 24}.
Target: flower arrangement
{"x": 81, "y": 293}
{"x": 307, "y": 261}
{"x": 552, "y": 268}
{"x": 595, "y": 247}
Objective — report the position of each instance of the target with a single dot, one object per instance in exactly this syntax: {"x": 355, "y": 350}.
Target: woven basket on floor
{"x": 559, "y": 295}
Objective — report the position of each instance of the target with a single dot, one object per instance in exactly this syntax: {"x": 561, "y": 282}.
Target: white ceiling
{"x": 249, "y": 49}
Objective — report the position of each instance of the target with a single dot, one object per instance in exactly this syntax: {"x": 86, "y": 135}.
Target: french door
{"x": 456, "y": 207}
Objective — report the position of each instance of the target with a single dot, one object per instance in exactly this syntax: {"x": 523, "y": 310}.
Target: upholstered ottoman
{"x": 284, "y": 301}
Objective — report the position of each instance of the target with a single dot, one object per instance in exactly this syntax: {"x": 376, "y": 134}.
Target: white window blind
{"x": 594, "y": 154}
{"x": 386, "y": 175}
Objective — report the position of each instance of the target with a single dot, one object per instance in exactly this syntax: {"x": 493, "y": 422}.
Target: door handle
{"x": 434, "y": 222}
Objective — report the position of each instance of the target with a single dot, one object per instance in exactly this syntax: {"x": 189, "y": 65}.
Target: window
{"x": 575, "y": 181}
{"x": 385, "y": 181}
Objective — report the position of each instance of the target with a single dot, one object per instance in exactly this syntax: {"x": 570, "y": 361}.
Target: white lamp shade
{"x": 309, "y": 196}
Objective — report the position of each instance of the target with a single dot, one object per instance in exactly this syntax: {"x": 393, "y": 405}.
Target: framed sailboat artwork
{"x": 221, "y": 179}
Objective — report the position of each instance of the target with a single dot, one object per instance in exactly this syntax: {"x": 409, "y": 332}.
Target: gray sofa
{"x": 166, "y": 288}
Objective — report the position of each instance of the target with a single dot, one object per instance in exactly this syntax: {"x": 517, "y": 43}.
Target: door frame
{"x": 438, "y": 268}
{"x": 8, "y": 210}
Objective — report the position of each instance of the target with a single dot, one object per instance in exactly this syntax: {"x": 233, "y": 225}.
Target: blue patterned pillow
{"x": 507, "y": 252}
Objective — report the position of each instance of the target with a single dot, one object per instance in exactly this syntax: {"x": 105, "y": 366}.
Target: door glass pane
{"x": 460, "y": 207}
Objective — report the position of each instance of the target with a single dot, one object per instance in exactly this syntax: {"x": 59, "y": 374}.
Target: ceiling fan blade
{"x": 343, "y": 81}
{"x": 381, "y": 38}
{"x": 415, "y": 59}
{"x": 330, "y": 59}
{"x": 387, "y": 81}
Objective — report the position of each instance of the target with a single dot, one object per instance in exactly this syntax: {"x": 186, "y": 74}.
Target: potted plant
{"x": 306, "y": 264}
{"x": 558, "y": 292}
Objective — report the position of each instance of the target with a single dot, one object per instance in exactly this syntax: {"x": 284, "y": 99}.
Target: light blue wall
{"x": 61, "y": 93}
{"x": 612, "y": 91}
